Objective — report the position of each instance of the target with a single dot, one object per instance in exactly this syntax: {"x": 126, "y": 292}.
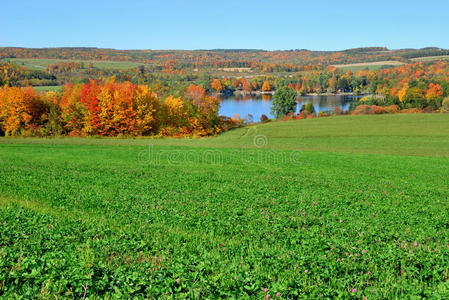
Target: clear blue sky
{"x": 201, "y": 24}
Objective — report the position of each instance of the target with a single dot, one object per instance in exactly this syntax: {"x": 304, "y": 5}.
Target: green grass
{"x": 430, "y": 58}
{"x": 41, "y": 64}
{"x": 401, "y": 134}
{"x": 55, "y": 88}
{"x": 371, "y": 66}
{"x": 119, "y": 218}
{"x": 368, "y": 67}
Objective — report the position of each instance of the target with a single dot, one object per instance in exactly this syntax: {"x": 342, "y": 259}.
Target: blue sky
{"x": 200, "y": 24}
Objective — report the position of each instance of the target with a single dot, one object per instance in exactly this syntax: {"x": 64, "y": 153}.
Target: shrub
{"x": 392, "y": 109}
{"x": 308, "y": 108}
{"x": 264, "y": 118}
{"x": 337, "y": 111}
{"x": 445, "y": 105}
{"x": 289, "y": 116}
{"x": 310, "y": 116}
{"x": 362, "y": 110}
{"x": 412, "y": 110}
{"x": 301, "y": 115}
{"x": 368, "y": 110}
{"x": 378, "y": 109}
{"x": 429, "y": 109}
{"x": 323, "y": 114}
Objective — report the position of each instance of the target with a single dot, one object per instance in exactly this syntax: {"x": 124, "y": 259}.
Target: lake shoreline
{"x": 258, "y": 93}
{"x": 257, "y": 105}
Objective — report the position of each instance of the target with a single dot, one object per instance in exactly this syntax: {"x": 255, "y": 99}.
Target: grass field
{"x": 41, "y": 64}
{"x": 430, "y": 58}
{"x": 341, "y": 207}
{"x": 372, "y": 66}
{"x": 54, "y": 88}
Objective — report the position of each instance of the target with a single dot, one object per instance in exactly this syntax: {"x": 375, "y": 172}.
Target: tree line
{"x": 109, "y": 108}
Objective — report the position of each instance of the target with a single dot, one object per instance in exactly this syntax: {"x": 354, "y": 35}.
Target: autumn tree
{"x": 415, "y": 97}
{"x": 147, "y": 111}
{"x": 21, "y": 110}
{"x": 284, "y": 102}
{"x": 217, "y": 85}
{"x": 195, "y": 92}
{"x": 177, "y": 112}
{"x": 266, "y": 86}
{"x": 73, "y": 111}
{"x": 246, "y": 85}
{"x": 434, "y": 95}
{"x": 237, "y": 83}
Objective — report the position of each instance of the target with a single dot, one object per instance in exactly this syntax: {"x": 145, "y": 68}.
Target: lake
{"x": 256, "y": 105}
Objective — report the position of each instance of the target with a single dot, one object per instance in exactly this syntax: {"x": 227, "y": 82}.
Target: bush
{"x": 368, "y": 110}
{"x": 445, "y": 105}
{"x": 308, "y": 108}
{"x": 362, "y": 110}
{"x": 392, "y": 109}
{"x": 323, "y": 114}
{"x": 378, "y": 110}
{"x": 412, "y": 110}
{"x": 310, "y": 116}
{"x": 289, "y": 116}
{"x": 301, "y": 115}
{"x": 264, "y": 118}
{"x": 337, "y": 111}
{"x": 429, "y": 109}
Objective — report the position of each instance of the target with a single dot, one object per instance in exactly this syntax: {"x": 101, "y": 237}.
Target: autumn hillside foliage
{"x": 108, "y": 108}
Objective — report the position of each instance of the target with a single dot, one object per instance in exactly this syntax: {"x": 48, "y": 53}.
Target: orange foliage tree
{"x": 21, "y": 110}
{"x": 108, "y": 108}
{"x": 266, "y": 87}
{"x": 217, "y": 85}
{"x": 434, "y": 92}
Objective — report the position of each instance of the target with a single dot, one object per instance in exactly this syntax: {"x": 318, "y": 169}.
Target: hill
{"x": 249, "y": 213}
{"x": 222, "y": 57}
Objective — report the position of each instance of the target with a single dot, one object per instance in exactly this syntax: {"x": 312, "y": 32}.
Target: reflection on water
{"x": 256, "y": 105}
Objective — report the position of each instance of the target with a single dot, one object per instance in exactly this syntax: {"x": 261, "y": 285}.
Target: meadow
{"x": 371, "y": 66}
{"x": 340, "y": 207}
{"x": 430, "y": 58}
{"x": 54, "y": 88}
{"x": 42, "y": 63}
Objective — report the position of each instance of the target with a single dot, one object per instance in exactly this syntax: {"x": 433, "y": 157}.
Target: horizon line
{"x": 223, "y": 49}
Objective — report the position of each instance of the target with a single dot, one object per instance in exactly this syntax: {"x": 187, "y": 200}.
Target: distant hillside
{"x": 225, "y": 57}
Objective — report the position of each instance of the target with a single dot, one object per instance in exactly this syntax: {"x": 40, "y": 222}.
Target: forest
{"x": 105, "y": 92}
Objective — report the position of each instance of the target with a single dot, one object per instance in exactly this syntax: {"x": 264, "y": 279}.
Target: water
{"x": 256, "y": 105}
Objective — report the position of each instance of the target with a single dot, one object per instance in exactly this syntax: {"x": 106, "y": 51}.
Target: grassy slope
{"x": 430, "y": 58}
{"x": 128, "y": 219}
{"x": 41, "y": 64}
{"x": 372, "y": 66}
{"x": 403, "y": 134}
{"x": 47, "y": 88}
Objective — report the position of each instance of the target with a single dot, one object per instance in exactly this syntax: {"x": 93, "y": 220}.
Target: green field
{"x": 430, "y": 58}
{"x": 54, "y": 88}
{"x": 371, "y": 66}
{"x": 41, "y": 64}
{"x": 341, "y": 207}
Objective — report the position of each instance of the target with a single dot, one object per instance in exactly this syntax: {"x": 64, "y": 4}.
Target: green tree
{"x": 284, "y": 102}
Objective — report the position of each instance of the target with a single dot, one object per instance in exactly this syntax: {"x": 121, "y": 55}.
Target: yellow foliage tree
{"x": 402, "y": 92}
{"x": 148, "y": 108}
{"x": 266, "y": 86}
{"x": 177, "y": 113}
